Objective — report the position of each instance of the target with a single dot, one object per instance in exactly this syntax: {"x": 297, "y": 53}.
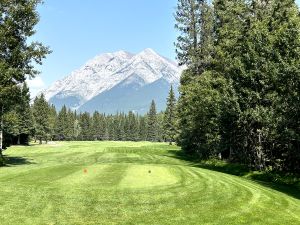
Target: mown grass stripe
{"x": 53, "y": 188}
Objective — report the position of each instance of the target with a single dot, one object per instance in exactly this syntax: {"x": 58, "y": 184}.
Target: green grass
{"x": 130, "y": 183}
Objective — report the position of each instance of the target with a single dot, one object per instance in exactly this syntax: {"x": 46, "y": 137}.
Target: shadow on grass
{"x": 278, "y": 182}
{"x": 16, "y": 161}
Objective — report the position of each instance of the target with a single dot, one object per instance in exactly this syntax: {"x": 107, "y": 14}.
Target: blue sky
{"x": 77, "y": 30}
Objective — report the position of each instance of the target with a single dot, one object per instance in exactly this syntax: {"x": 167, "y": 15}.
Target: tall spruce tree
{"x": 85, "y": 124}
{"x": 169, "y": 122}
{"x": 96, "y": 126}
{"x": 132, "y": 132}
{"x": 152, "y": 125}
{"x": 194, "y": 46}
{"x": 53, "y": 122}
{"x": 26, "y": 124}
{"x": 62, "y": 123}
{"x": 76, "y": 127}
{"x": 142, "y": 128}
{"x": 187, "y": 17}
{"x": 41, "y": 112}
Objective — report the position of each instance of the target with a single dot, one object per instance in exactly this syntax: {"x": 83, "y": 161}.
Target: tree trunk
{"x": 1, "y": 132}
{"x": 40, "y": 140}
{"x": 19, "y": 137}
{"x": 1, "y": 141}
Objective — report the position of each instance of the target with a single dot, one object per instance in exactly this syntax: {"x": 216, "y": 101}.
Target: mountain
{"x": 117, "y": 82}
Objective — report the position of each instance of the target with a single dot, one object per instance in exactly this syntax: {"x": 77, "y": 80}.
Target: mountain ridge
{"x": 103, "y": 73}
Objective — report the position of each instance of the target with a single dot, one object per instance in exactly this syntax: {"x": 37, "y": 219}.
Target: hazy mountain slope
{"x": 108, "y": 81}
{"x": 130, "y": 97}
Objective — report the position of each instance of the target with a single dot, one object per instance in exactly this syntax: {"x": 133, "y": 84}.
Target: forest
{"x": 41, "y": 122}
{"x": 240, "y": 94}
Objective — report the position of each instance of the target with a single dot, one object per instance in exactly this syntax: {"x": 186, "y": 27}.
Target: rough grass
{"x": 130, "y": 183}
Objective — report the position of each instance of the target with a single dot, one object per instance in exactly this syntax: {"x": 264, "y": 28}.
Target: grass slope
{"x": 130, "y": 183}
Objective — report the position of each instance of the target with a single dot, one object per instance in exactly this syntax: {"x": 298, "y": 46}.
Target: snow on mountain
{"x": 92, "y": 78}
{"x": 150, "y": 66}
{"x": 105, "y": 71}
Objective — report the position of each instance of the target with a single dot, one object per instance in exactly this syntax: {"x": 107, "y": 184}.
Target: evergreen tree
{"x": 160, "y": 127}
{"x": 53, "y": 121}
{"x": 103, "y": 128}
{"x": 18, "y": 19}
{"x": 152, "y": 123}
{"x": 11, "y": 124}
{"x": 26, "y": 125}
{"x": 195, "y": 43}
{"x": 169, "y": 122}
{"x": 96, "y": 127}
{"x": 71, "y": 117}
{"x": 76, "y": 127}
{"x": 85, "y": 124}
{"x": 41, "y": 112}
{"x": 132, "y": 132}
{"x": 285, "y": 25}
{"x": 62, "y": 123}
{"x": 142, "y": 128}
{"x": 245, "y": 103}
{"x": 187, "y": 17}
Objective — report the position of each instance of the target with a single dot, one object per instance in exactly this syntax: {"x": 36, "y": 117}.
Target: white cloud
{"x": 36, "y": 85}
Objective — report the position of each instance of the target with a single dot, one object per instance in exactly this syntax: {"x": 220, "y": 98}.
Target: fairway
{"x": 129, "y": 183}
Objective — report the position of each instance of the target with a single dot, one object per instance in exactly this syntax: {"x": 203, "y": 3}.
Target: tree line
{"x": 69, "y": 125}
{"x": 41, "y": 122}
{"x": 240, "y": 94}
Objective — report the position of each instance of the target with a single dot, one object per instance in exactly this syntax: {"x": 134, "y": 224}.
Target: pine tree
{"x": 26, "y": 125}
{"x": 76, "y": 127}
{"x": 152, "y": 123}
{"x": 132, "y": 132}
{"x": 194, "y": 45}
{"x": 102, "y": 128}
{"x": 142, "y": 128}
{"x": 70, "y": 124}
{"x": 41, "y": 111}
{"x": 169, "y": 121}
{"x": 187, "y": 17}
{"x": 96, "y": 127}
{"x": 85, "y": 123}
{"x": 160, "y": 127}
{"x": 62, "y": 123}
{"x": 53, "y": 121}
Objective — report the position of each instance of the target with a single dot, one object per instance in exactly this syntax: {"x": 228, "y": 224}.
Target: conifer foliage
{"x": 17, "y": 58}
{"x": 41, "y": 113}
{"x": 152, "y": 123}
{"x": 67, "y": 125}
{"x": 169, "y": 123}
{"x": 243, "y": 103}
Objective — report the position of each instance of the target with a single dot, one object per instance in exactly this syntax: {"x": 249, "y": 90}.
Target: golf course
{"x": 129, "y": 183}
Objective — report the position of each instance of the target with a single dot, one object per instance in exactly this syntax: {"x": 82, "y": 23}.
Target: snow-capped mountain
{"x": 102, "y": 82}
